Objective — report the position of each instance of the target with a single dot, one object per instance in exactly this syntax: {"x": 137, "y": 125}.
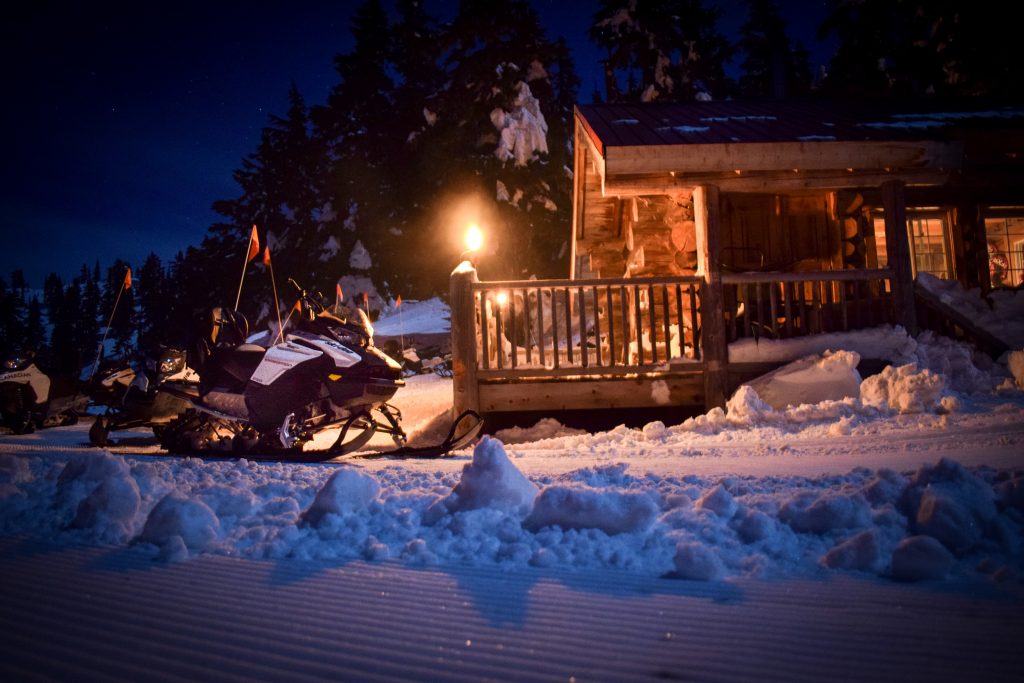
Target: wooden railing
{"x": 786, "y": 305}
{"x": 506, "y": 332}
{"x": 581, "y": 327}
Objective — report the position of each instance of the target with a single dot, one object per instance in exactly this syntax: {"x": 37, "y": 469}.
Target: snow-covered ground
{"x": 861, "y": 529}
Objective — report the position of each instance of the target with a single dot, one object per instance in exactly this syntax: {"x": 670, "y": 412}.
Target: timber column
{"x": 897, "y": 247}
{"x": 712, "y": 318}
{"x": 463, "y": 319}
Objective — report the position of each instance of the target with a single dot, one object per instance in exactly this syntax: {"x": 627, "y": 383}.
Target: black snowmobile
{"x": 325, "y": 374}
{"x": 130, "y": 397}
{"x": 31, "y": 399}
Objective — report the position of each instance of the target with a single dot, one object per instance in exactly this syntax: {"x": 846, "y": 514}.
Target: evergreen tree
{"x": 35, "y": 333}
{"x": 508, "y": 89}
{"x": 665, "y": 50}
{"x": 62, "y": 356}
{"x": 280, "y": 194}
{"x": 152, "y": 305}
{"x": 909, "y": 48}
{"x": 359, "y": 141}
{"x": 772, "y": 66}
{"x": 122, "y": 318}
{"x": 87, "y": 325}
{"x": 11, "y": 333}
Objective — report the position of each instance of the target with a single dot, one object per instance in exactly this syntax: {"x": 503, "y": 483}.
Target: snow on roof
{"x": 721, "y": 122}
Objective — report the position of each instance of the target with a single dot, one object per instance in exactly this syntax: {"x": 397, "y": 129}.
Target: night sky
{"x": 123, "y": 123}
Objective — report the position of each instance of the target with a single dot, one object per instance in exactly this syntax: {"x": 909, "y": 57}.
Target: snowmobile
{"x": 324, "y": 374}
{"x": 131, "y": 398}
{"x": 30, "y": 399}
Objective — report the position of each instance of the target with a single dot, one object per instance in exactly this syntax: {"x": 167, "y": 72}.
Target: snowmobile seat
{"x": 216, "y": 329}
{"x": 240, "y": 362}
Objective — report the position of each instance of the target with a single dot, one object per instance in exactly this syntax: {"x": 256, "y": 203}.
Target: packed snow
{"x": 717, "y": 496}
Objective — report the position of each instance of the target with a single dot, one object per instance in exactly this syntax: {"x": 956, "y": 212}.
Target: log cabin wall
{"x": 762, "y": 232}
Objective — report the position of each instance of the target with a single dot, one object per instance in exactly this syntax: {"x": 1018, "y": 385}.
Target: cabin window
{"x": 928, "y": 234}
{"x": 1005, "y": 250}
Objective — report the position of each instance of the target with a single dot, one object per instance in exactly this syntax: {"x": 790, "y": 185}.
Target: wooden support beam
{"x": 897, "y": 246}
{"x": 774, "y": 156}
{"x": 587, "y": 394}
{"x": 463, "y": 323}
{"x": 712, "y": 321}
{"x": 768, "y": 181}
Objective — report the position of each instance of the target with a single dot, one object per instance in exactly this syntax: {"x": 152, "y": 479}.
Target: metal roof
{"x": 733, "y": 122}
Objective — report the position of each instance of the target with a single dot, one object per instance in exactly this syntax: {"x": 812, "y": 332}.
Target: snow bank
{"x": 430, "y": 316}
{"x": 831, "y": 376}
{"x": 904, "y": 389}
{"x": 1001, "y": 313}
{"x": 491, "y": 480}
{"x": 573, "y": 500}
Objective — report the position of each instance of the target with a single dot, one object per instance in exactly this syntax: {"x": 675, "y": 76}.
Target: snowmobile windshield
{"x": 17, "y": 363}
{"x": 354, "y": 333}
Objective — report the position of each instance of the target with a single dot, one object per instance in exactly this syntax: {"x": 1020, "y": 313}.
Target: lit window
{"x": 1005, "y": 251}
{"x": 929, "y": 244}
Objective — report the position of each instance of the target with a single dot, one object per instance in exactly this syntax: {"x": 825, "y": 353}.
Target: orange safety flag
{"x": 254, "y": 245}
{"x": 298, "y": 306}
{"x": 128, "y": 279}
{"x": 266, "y": 256}
{"x": 398, "y": 301}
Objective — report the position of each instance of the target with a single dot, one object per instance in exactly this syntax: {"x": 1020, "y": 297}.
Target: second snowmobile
{"x": 130, "y": 396}
{"x": 31, "y": 399}
{"x": 325, "y": 374}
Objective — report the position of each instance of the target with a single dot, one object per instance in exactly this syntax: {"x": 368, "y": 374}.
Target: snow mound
{"x": 807, "y": 512}
{"x": 178, "y": 520}
{"x": 906, "y": 389}
{"x": 14, "y": 469}
{"x": 831, "y": 376}
{"x": 696, "y": 562}
{"x": 861, "y": 552}
{"x": 348, "y": 490}
{"x": 920, "y": 558}
{"x": 489, "y": 481}
{"x": 109, "y": 511}
{"x": 1015, "y": 361}
{"x": 950, "y": 504}
{"x": 546, "y": 428}
{"x": 82, "y": 475}
{"x": 884, "y": 343}
{"x": 613, "y": 512}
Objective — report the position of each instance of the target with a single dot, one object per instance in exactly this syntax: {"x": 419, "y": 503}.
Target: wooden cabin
{"x": 696, "y": 225}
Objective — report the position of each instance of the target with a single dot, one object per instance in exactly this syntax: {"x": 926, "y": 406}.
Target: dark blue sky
{"x": 124, "y": 122}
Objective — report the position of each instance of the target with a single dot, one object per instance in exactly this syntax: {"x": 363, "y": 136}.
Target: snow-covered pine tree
{"x": 508, "y": 84}
{"x": 356, "y": 128}
{"x": 665, "y": 50}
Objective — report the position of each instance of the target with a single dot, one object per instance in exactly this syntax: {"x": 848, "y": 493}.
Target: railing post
{"x": 712, "y": 320}
{"x": 463, "y": 319}
{"x": 897, "y": 246}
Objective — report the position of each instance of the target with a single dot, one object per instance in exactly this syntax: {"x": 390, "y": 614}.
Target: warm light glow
{"x": 502, "y": 298}
{"x": 474, "y": 237}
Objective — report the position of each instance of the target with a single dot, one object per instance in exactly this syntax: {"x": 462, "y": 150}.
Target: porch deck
{"x": 636, "y": 342}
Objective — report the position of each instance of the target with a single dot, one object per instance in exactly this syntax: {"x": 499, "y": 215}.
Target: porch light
{"x": 474, "y": 238}
{"x": 502, "y": 298}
